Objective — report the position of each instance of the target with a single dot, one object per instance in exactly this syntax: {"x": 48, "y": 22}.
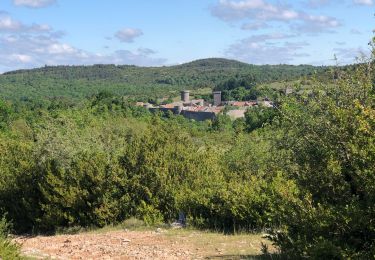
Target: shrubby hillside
{"x": 78, "y": 82}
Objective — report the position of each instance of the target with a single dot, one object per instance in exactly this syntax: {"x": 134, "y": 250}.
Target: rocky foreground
{"x": 159, "y": 244}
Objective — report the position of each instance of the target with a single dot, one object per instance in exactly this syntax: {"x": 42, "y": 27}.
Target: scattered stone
{"x": 176, "y": 225}
{"x": 129, "y": 245}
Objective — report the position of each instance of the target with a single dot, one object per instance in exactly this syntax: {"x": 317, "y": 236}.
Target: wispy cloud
{"x": 128, "y": 34}
{"x": 229, "y": 10}
{"x": 266, "y": 49}
{"x": 26, "y": 51}
{"x": 350, "y": 55}
{"x": 316, "y": 24}
{"x": 317, "y": 3}
{"x": 364, "y": 2}
{"x": 320, "y": 3}
{"x": 8, "y": 24}
{"x": 254, "y": 26}
{"x": 355, "y": 31}
{"x": 34, "y": 3}
{"x": 258, "y": 11}
{"x": 28, "y": 46}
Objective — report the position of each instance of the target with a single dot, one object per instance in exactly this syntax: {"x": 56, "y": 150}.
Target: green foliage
{"x": 5, "y": 114}
{"x": 5, "y": 227}
{"x": 133, "y": 223}
{"x": 330, "y": 135}
{"x": 257, "y": 117}
{"x": 85, "y": 192}
{"x": 221, "y": 123}
{"x": 60, "y": 86}
{"x": 18, "y": 194}
{"x": 8, "y": 250}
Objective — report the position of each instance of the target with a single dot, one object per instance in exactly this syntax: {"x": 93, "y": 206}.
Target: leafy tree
{"x": 330, "y": 137}
{"x": 257, "y": 117}
{"x": 5, "y": 114}
{"x": 221, "y": 123}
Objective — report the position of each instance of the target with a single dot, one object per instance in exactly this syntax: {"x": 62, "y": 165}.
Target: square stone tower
{"x": 217, "y": 98}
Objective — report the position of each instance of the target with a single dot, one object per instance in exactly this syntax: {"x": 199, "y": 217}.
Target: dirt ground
{"x": 157, "y": 244}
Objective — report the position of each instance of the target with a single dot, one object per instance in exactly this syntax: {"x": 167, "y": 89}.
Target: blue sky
{"x": 34, "y": 33}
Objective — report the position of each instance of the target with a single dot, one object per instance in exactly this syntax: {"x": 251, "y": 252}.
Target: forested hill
{"x": 76, "y": 82}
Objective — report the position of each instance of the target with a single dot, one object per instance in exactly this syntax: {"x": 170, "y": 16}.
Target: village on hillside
{"x": 200, "y": 110}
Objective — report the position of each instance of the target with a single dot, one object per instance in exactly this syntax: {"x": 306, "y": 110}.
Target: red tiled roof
{"x": 168, "y": 106}
{"x": 239, "y": 104}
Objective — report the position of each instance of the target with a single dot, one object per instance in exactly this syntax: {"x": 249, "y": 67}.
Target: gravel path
{"x": 111, "y": 245}
{"x": 125, "y": 244}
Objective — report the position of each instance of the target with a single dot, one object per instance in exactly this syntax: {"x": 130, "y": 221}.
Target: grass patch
{"x": 133, "y": 224}
{"x": 223, "y": 246}
{"x": 9, "y": 250}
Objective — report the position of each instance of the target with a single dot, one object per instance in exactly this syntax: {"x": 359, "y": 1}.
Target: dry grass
{"x": 135, "y": 241}
{"x": 218, "y": 245}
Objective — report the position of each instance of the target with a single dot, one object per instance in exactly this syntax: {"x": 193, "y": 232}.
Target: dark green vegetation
{"x": 303, "y": 171}
{"x": 69, "y": 84}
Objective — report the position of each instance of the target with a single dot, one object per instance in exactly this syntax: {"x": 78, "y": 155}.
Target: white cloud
{"x": 28, "y": 51}
{"x": 254, "y": 26}
{"x": 60, "y": 48}
{"x": 316, "y": 24}
{"x": 21, "y": 58}
{"x": 268, "y": 37}
{"x": 8, "y": 24}
{"x": 322, "y": 20}
{"x": 320, "y": 3}
{"x": 317, "y": 2}
{"x": 363, "y": 2}
{"x": 260, "y": 11}
{"x": 236, "y": 10}
{"x": 28, "y": 46}
{"x": 34, "y": 3}
{"x": 128, "y": 34}
{"x": 350, "y": 55}
{"x": 266, "y": 49}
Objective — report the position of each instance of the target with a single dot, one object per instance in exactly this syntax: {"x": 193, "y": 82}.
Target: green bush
{"x": 133, "y": 223}
{"x": 330, "y": 138}
{"x": 8, "y": 250}
{"x": 86, "y": 192}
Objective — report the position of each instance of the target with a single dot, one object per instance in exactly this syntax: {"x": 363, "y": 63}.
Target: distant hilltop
{"x": 216, "y": 63}
{"x": 200, "y": 63}
{"x": 79, "y": 82}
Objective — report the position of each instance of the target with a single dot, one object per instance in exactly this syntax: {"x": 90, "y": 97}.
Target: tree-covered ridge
{"x": 78, "y": 82}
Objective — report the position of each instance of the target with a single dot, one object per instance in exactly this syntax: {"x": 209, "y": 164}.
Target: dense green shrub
{"x": 87, "y": 192}
{"x": 331, "y": 137}
{"x": 18, "y": 185}
{"x": 258, "y": 117}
